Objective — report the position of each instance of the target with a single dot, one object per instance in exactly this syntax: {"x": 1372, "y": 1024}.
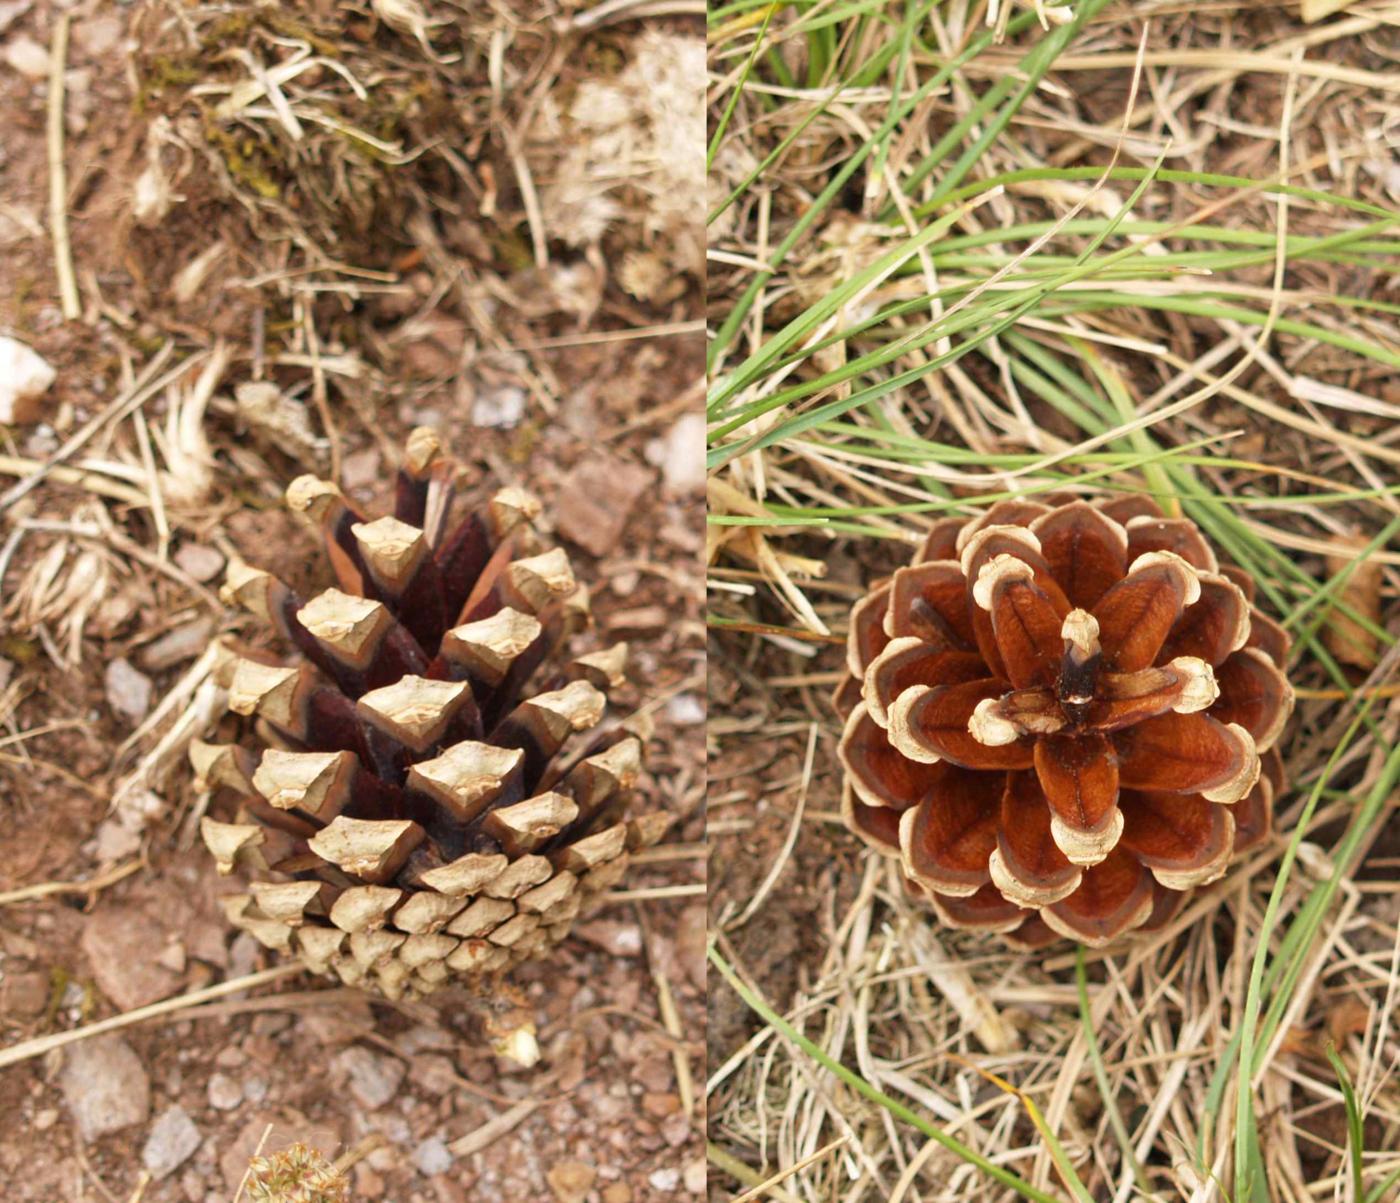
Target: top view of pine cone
{"x": 426, "y": 791}
{"x": 1062, "y": 718}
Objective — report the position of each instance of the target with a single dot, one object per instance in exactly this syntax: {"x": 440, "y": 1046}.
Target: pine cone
{"x": 1057, "y": 717}
{"x": 424, "y": 804}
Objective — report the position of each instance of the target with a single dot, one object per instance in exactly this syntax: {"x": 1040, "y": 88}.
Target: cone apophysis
{"x": 424, "y": 791}
{"x": 1062, "y": 718}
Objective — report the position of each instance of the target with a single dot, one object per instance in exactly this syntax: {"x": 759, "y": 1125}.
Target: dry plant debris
{"x": 1056, "y": 718}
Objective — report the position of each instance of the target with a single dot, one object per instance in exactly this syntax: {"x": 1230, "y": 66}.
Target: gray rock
{"x": 172, "y": 1141}
{"x": 128, "y": 690}
{"x": 201, "y": 562}
{"x": 372, "y": 1079}
{"x": 432, "y": 1157}
{"x": 105, "y": 1086}
{"x": 177, "y": 645}
{"x": 224, "y": 1092}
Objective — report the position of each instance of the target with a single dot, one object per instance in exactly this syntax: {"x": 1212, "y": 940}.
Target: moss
{"x": 158, "y": 74}
{"x": 19, "y": 649}
{"x": 245, "y": 157}
{"x": 522, "y": 443}
{"x": 513, "y": 250}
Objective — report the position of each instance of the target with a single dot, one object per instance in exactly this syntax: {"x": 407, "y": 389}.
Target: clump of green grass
{"x": 939, "y": 282}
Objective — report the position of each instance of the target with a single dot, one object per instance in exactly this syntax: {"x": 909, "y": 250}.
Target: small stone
{"x": 11, "y": 11}
{"x": 117, "y": 838}
{"x": 45, "y": 1119}
{"x": 172, "y": 1141}
{"x": 24, "y": 993}
{"x": 224, "y": 1092}
{"x": 25, "y": 376}
{"x": 28, "y": 58}
{"x": 372, "y": 1079}
{"x": 500, "y": 408}
{"x": 685, "y": 710}
{"x": 660, "y": 1104}
{"x": 128, "y": 690}
{"x": 117, "y": 940}
{"x": 595, "y": 500}
{"x": 571, "y": 1181}
{"x": 680, "y": 454}
{"x": 434, "y": 1074}
{"x": 177, "y": 645}
{"x": 618, "y": 1192}
{"x": 692, "y": 936}
{"x": 667, "y": 1179}
{"x": 105, "y": 1086}
{"x": 201, "y": 562}
{"x": 173, "y": 957}
{"x": 360, "y": 469}
{"x": 98, "y": 35}
{"x": 618, "y": 939}
{"x": 432, "y": 1156}
{"x": 696, "y": 1176}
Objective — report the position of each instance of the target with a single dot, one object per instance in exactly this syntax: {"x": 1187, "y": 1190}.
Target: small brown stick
{"x": 655, "y": 892}
{"x": 318, "y": 392}
{"x": 758, "y": 1191}
{"x": 43, "y": 1044}
{"x": 58, "y": 175}
{"x": 671, "y": 1020}
{"x": 479, "y": 1138}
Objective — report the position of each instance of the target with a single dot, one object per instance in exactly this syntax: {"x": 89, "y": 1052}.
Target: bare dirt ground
{"x": 426, "y": 285}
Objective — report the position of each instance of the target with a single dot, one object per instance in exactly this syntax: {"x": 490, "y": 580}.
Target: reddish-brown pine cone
{"x": 425, "y": 791}
{"x": 1057, "y": 718}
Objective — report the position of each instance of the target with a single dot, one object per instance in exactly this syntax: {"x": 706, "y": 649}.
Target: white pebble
{"x": 24, "y": 377}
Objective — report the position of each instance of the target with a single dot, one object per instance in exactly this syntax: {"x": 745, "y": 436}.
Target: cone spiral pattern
{"x": 425, "y": 793}
{"x": 1062, "y": 718}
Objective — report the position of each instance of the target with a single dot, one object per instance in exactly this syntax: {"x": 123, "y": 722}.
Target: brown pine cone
{"x": 425, "y": 793}
{"x": 1057, "y": 718}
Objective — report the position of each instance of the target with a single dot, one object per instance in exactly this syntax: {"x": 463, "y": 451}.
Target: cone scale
{"x": 425, "y": 791}
{"x": 1061, "y": 719}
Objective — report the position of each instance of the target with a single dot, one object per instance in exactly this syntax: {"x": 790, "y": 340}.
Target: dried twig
{"x": 44, "y": 1044}
{"x": 58, "y": 174}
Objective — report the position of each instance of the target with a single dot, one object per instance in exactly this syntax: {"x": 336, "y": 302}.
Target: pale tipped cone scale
{"x": 489, "y": 646}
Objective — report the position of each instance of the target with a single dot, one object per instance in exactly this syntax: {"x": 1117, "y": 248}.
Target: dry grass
{"x": 1223, "y": 367}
